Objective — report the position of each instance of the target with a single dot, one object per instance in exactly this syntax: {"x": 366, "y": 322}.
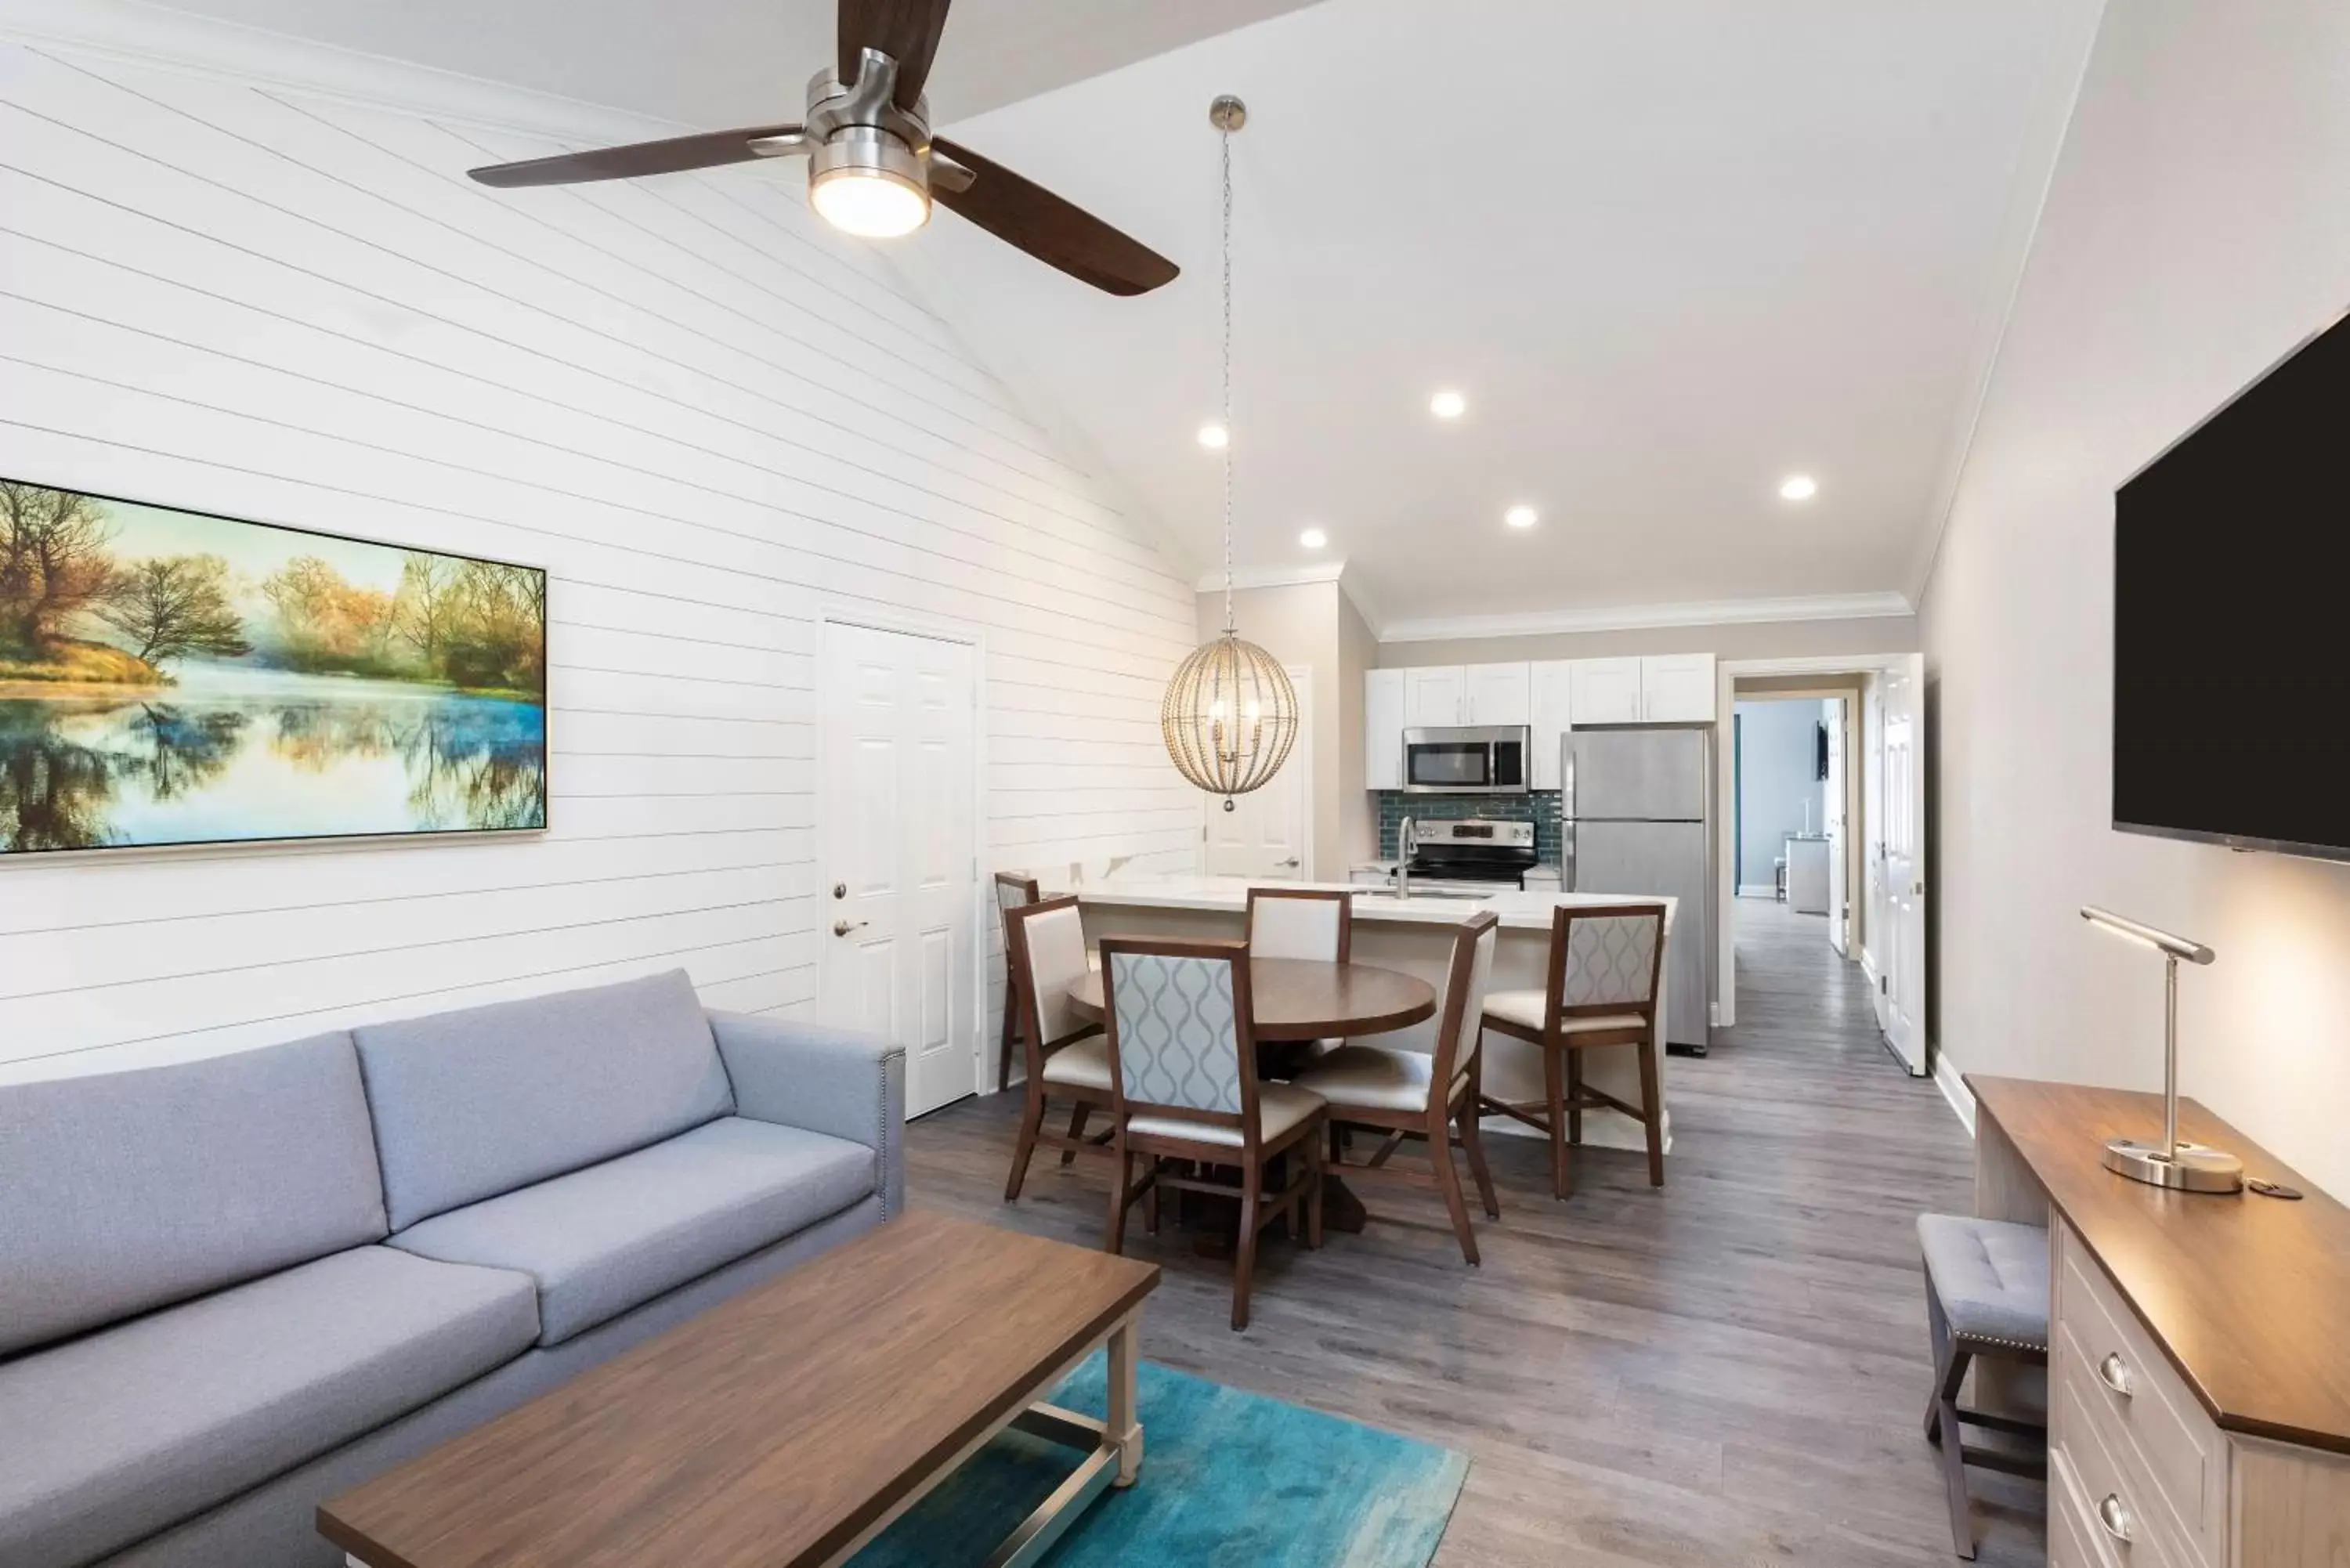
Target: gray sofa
{"x": 232, "y": 1288}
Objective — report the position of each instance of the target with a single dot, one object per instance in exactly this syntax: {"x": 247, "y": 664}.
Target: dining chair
{"x": 1302, "y": 923}
{"x": 1013, "y": 890}
{"x": 1414, "y": 1095}
{"x": 1603, "y": 964}
{"x": 1185, "y": 1097}
{"x": 1045, "y": 951}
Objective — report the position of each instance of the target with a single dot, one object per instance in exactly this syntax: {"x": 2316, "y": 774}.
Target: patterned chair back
{"x": 1045, "y": 951}
{"x": 1178, "y": 1017}
{"x": 1606, "y": 958}
{"x": 1294, "y": 923}
{"x": 1013, "y": 890}
{"x": 1470, "y": 976}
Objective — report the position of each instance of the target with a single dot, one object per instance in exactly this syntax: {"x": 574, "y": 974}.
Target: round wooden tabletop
{"x": 1311, "y": 999}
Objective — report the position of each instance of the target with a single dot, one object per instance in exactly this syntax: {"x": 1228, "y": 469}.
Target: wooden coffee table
{"x": 789, "y": 1425}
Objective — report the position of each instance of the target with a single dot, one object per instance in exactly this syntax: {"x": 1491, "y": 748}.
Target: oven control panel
{"x": 1477, "y": 831}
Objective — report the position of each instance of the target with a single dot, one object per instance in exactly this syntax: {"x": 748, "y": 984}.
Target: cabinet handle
{"x": 2114, "y": 1519}
{"x": 2114, "y": 1374}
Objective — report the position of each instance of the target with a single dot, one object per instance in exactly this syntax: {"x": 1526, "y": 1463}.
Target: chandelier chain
{"x": 1227, "y": 137}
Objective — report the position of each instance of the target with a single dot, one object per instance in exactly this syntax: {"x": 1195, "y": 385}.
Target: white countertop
{"x": 1518, "y": 911}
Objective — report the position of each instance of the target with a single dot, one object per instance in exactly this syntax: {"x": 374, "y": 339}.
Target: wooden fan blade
{"x": 708, "y": 151}
{"x": 1022, "y": 213}
{"x": 905, "y": 30}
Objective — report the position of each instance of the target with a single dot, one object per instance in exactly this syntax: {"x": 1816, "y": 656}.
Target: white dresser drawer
{"x": 2074, "y": 1540}
{"x": 2105, "y": 1372}
{"x": 2114, "y": 1512}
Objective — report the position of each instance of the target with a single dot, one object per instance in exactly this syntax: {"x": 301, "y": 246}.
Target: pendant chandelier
{"x": 1230, "y": 714}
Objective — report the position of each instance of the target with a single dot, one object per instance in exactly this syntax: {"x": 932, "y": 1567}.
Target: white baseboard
{"x": 1757, "y": 890}
{"x": 1949, "y": 1078}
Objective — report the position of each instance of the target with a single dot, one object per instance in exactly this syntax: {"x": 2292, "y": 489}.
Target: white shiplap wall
{"x": 713, "y": 421}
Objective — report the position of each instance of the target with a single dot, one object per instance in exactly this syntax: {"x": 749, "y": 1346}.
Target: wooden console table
{"x": 2199, "y": 1357}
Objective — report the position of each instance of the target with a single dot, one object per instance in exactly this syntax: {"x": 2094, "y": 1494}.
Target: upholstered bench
{"x": 1986, "y": 1294}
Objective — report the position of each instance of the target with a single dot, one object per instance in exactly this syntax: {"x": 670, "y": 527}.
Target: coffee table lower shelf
{"x": 791, "y": 1424}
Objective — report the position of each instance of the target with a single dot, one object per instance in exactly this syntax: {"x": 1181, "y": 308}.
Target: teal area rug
{"x": 1229, "y": 1479}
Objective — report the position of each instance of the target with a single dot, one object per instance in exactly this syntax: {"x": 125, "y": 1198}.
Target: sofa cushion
{"x": 120, "y": 1192}
{"x": 474, "y": 1102}
{"x": 158, "y": 1419}
{"x": 606, "y": 1238}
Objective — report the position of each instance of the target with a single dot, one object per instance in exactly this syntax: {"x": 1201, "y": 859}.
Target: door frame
{"x": 1838, "y": 675}
{"x": 1301, "y": 680}
{"x": 935, "y": 629}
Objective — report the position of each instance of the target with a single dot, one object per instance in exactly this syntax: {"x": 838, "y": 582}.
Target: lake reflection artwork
{"x": 170, "y": 677}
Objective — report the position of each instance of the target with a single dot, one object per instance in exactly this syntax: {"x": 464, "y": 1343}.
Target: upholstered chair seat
{"x": 1371, "y": 1078}
{"x": 1524, "y": 1009}
{"x": 1279, "y": 1107}
{"x": 1084, "y": 1065}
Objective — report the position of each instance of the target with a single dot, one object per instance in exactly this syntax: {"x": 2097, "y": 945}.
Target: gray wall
{"x": 2195, "y": 230}
{"x": 1778, "y": 778}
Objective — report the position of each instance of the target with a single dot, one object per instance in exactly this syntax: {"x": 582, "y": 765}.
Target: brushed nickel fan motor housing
{"x": 860, "y": 127}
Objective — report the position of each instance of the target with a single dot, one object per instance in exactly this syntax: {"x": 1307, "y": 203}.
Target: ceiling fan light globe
{"x": 870, "y": 203}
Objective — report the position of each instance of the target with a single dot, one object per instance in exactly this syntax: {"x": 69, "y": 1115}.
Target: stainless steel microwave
{"x": 1465, "y": 761}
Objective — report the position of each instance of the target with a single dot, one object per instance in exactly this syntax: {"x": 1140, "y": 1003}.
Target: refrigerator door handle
{"x": 1566, "y": 873}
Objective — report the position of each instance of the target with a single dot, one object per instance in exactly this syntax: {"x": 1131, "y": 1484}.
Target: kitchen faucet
{"x": 1405, "y": 850}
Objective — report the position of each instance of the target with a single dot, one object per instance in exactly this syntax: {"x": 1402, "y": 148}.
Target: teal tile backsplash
{"x": 1541, "y": 808}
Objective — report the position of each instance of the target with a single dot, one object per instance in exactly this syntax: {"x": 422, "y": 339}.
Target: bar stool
{"x": 1302, "y": 923}
{"x": 1986, "y": 1294}
{"x": 1604, "y": 965}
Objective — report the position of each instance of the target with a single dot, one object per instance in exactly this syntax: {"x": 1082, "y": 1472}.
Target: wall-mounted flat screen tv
{"x": 2231, "y": 619}
{"x": 173, "y": 677}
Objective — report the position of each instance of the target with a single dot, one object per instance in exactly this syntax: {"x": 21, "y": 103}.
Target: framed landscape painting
{"x": 173, "y": 677}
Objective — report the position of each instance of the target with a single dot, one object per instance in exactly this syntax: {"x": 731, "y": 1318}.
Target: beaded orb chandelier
{"x": 1230, "y": 714}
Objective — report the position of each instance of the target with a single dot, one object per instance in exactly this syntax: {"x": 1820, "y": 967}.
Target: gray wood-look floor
{"x": 1730, "y": 1371}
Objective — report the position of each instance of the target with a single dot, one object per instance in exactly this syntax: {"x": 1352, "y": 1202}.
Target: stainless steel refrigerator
{"x": 1634, "y": 820}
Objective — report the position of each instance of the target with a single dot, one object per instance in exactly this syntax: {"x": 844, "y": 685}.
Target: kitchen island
{"x": 1414, "y": 935}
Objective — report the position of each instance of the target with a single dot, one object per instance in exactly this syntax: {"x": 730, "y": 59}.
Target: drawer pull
{"x": 2114, "y": 1519}
{"x": 2114, "y": 1374}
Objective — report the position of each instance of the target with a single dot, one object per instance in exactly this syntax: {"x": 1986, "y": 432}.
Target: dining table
{"x": 1294, "y": 1000}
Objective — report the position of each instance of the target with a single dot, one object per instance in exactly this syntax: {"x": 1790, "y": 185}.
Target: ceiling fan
{"x": 874, "y": 168}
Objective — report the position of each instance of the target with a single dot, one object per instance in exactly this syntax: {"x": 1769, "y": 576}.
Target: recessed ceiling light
{"x": 1447, "y": 405}
{"x": 1798, "y": 487}
{"x": 1313, "y": 538}
{"x": 1215, "y": 437}
{"x": 1520, "y": 517}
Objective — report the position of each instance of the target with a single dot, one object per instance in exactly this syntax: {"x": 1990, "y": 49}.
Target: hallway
{"x": 1729, "y": 1371}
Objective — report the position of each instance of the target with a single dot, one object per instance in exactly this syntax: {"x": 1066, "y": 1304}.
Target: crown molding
{"x": 158, "y": 37}
{"x": 1349, "y": 577}
{"x": 1274, "y": 576}
{"x": 1643, "y": 617}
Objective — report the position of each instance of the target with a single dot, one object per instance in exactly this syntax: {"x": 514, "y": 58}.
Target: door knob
{"x": 842, "y": 927}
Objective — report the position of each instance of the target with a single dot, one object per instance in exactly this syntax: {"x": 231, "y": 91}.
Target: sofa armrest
{"x": 831, "y": 1081}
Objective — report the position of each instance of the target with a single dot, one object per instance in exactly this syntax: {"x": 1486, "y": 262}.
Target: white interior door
{"x": 1269, "y": 833}
{"x": 1905, "y": 860}
{"x": 1834, "y": 826}
{"x": 901, "y": 872}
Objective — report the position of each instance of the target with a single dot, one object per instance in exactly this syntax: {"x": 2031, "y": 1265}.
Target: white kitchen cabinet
{"x": 1383, "y": 726}
{"x": 1551, "y": 682}
{"x": 1497, "y": 694}
{"x": 1434, "y": 695}
{"x": 1605, "y": 690}
{"x": 1677, "y": 688}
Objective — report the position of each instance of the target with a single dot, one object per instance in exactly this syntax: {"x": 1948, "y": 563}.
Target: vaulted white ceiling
{"x": 1670, "y": 251}
{"x": 714, "y": 63}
